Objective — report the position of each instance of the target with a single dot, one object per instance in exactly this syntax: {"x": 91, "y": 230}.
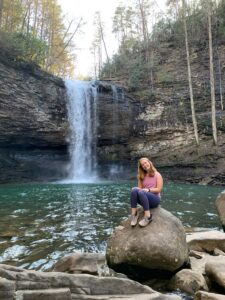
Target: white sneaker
{"x": 134, "y": 219}
{"x": 145, "y": 221}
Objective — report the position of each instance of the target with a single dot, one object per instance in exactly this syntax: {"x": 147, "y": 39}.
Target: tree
{"x": 220, "y": 80}
{"x": 124, "y": 23}
{"x": 143, "y": 8}
{"x": 1, "y": 10}
{"x": 35, "y": 30}
{"x": 194, "y": 121}
{"x": 212, "y": 84}
{"x": 97, "y": 43}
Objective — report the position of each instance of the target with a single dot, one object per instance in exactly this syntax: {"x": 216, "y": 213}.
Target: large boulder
{"x": 220, "y": 206}
{"x": 159, "y": 246}
{"x": 216, "y": 272}
{"x": 188, "y": 281}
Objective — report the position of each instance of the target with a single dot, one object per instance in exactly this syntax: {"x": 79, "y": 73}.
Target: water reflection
{"x": 41, "y": 223}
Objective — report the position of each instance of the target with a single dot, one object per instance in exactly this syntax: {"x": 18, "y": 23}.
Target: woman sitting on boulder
{"x": 147, "y": 194}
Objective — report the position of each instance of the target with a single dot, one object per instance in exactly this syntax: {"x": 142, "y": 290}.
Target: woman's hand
{"x": 145, "y": 190}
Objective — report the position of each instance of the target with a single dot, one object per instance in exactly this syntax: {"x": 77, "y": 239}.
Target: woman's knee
{"x": 134, "y": 190}
{"x": 141, "y": 193}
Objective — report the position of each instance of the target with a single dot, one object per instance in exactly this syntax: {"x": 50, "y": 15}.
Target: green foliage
{"x": 133, "y": 60}
{"x": 23, "y": 47}
{"x": 145, "y": 94}
{"x": 136, "y": 70}
{"x": 106, "y": 70}
{"x": 34, "y": 31}
{"x": 164, "y": 76}
{"x": 220, "y": 21}
{"x": 162, "y": 30}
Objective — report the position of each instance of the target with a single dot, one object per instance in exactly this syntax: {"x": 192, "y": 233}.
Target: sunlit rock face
{"x": 130, "y": 128}
{"x": 33, "y": 124}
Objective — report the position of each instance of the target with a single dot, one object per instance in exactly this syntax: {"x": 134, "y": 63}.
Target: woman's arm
{"x": 139, "y": 183}
{"x": 159, "y": 184}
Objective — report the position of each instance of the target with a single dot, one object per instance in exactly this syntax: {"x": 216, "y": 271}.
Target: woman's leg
{"x": 147, "y": 200}
{"x": 134, "y": 200}
{"x": 143, "y": 200}
{"x": 153, "y": 199}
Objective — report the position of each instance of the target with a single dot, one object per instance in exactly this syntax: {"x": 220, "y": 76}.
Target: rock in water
{"x": 159, "y": 246}
{"x": 81, "y": 263}
{"x": 220, "y": 206}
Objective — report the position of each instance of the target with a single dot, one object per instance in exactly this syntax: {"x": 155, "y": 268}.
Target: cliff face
{"x": 159, "y": 124}
{"x": 148, "y": 122}
{"x": 33, "y": 124}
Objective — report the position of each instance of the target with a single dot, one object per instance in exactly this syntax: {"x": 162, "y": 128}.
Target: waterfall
{"x": 115, "y": 112}
{"x": 83, "y": 125}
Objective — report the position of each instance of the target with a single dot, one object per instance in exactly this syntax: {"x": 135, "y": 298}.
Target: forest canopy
{"x": 35, "y": 31}
{"x": 141, "y": 28}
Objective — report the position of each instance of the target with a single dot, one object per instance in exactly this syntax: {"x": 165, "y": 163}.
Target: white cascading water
{"x": 83, "y": 124}
{"x": 115, "y": 112}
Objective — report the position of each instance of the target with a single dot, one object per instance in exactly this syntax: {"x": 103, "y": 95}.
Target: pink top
{"x": 150, "y": 182}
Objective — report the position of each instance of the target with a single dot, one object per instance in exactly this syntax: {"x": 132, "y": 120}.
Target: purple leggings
{"x": 146, "y": 199}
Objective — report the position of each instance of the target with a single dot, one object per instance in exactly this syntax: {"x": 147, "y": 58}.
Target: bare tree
{"x": 220, "y": 80}
{"x": 99, "y": 23}
{"x": 194, "y": 121}
{"x": 142, "y": 8}
{"x": 1, "y": 9}
{"x": 212, "y": 84}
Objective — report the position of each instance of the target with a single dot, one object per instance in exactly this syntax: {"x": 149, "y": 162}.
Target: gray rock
{"x": 215, "y": 271}
{"x": 198, "y": 265}
{"x": 220, "y": 206}
{"x": 33, "y": 124}
{"x": 78, "y": 284}
{"x": 155, "y": 296}
{"x": 6, "y": 285}
{"x": 195, "y": 254}
{"x": 188, "y": 281}
{"x": 208, "y": 296}
{"x": 7, "y": 295}
{"x": 206, "y": 241}
{"x": 51, "y": 294}
{"x": 77, "y": 263}
{"x": 217, "y": 252}
{"x": 85, "y": 263}
{"x": 159, "y": 246}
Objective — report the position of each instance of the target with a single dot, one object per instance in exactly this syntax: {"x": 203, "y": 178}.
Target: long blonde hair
{"x": 142, "y": 173}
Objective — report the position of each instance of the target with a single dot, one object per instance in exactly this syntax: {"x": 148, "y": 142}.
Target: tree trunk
{"x": 194, "y": 121}
{"x": 212, "y": 85}
{"x": 143, "y": 21}
{"x": 1, "y": 9}
{"x": 35, "y": 18}
{"x": 220, "y": 80}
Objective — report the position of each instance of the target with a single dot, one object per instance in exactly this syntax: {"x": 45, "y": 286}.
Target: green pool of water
{"x": 41, "y": 223}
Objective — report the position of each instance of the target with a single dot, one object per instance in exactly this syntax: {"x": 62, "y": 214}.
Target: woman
{"x": 147, "y": 194}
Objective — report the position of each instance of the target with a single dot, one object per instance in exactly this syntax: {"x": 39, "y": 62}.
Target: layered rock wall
{"x": 33, "y": 123}
{"x": 160, "y": 121}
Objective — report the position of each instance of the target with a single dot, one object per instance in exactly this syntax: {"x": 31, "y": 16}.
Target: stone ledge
{"x": 51, "y": 294}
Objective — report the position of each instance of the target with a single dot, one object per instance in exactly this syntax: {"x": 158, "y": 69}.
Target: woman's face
{"x": 145, "y": 164}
